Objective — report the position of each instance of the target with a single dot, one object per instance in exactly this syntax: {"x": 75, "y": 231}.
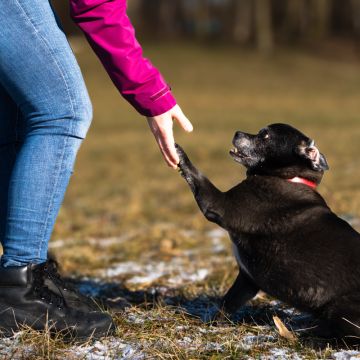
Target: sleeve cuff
{"x": 156, "y": 104}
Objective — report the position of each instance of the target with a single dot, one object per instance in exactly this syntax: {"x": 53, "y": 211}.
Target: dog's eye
{"x": 263, "y": 134}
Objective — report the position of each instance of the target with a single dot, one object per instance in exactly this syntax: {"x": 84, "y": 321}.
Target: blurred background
{"x": 260, "y": 24}
{"x": 233, "y": 65}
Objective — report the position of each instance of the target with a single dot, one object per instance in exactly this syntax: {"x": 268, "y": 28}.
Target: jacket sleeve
{"x": 112, "y": 37}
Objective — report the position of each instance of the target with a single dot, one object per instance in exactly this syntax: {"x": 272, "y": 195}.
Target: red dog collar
{"x": 300, "y": 180}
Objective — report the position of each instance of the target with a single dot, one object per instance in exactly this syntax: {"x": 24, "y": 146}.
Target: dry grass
{"x": 122, "y": 190}
{"x": 120, "y": 181}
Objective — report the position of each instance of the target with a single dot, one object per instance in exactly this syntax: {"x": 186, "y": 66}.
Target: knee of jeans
{"x": 67, "y": 119}
{"x": 82, "y": 118}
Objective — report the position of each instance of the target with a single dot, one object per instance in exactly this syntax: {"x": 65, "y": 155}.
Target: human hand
{"x": 162, "y": 128}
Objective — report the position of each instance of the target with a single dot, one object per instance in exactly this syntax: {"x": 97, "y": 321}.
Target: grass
{"x": 120, "y": 180}
{"x": 122, "y": 189}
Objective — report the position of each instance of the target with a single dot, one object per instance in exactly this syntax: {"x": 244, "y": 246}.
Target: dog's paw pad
{"x": 180, "y": 151}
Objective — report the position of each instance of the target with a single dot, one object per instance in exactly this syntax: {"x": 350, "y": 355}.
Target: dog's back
{"x": 293, "y": 246}
{"x": 288, "y": 242}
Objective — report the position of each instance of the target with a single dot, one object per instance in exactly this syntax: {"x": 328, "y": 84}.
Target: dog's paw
{"x": 180, "y": 151}
{"x": 184, "y": 162}
{"x": 215, "y": 315}
{"x": 210, "y": 314}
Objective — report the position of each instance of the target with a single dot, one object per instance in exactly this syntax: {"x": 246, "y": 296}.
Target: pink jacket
{"x": 112, "y": 37}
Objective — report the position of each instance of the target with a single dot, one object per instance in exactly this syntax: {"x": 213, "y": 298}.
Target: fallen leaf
{"x": 283, "y": 331}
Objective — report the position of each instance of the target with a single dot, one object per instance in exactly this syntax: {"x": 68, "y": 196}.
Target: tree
{"x": 263, "y": 26}
{"x": 355, "y": 7}
{"x": 241, "y": 13}
{"x": 320, "y": 21}
{"x": 295, "y": 20}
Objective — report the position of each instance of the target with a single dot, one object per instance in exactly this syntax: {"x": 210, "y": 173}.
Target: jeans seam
{"x": 51, "y": 202}
{"x": 37, "y": 32}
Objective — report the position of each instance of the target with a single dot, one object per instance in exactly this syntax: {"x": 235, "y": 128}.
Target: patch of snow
{"x": 257, "y": 339}
{"x": 56, "y": 244}
{"x": 290, "y": 311}
{"x": 216, "y": 233}
{"x": 177, "y": 271}
{"x": 187, "y": 343}
{"x": 188, "y": 233}
{"x": 114, "y": 240}
{"x": 10, "y": 348}
{"x": 249, "y": 341}
{"x": 127, "y": 267}
{"x": 182, "y": 327}
{"x": 130, "y": 353}
{"x": 281, "y": 354}
{"x": 134, "y": 319}
{"x": 209, "y": 330}
{"x": 217, "y": 236}
{"x": 214, "y": 346}
{"x": 145, "y": 279}
{"x": 108, "y": 349}
{"x": 186, "y": 340}
{"x": 275, "y": 303}
{"x": 199, "y": 275}
{"x": 346, "y": 355}
{"x": 217, "y": 245}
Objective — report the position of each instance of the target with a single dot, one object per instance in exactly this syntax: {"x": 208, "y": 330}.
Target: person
{"x": 45, "y": 113}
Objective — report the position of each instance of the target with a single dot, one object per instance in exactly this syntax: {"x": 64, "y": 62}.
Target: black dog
{"x": 287, "y": 241}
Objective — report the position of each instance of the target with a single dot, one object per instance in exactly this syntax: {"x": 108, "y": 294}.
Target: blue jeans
{"x": 45, "y": 113}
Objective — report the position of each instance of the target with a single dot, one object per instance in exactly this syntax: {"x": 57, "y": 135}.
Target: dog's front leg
{"x": 240, "y": 292}
{"x": 207, "y": 196}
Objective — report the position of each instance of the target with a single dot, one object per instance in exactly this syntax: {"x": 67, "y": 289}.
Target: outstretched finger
{"x": 182, "y": 119}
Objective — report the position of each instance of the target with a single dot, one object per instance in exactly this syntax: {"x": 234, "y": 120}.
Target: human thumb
{"x": 182, "y": 119}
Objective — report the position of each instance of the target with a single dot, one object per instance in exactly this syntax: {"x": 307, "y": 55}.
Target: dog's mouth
{"x": 237, "y": 155}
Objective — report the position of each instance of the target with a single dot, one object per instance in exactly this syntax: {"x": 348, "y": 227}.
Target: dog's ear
{"x": 311, "y": 152}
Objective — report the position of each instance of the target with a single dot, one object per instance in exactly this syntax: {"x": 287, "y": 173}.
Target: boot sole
{"x": 9, "y": 325}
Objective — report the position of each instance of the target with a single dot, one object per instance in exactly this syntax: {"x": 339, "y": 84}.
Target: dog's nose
{"x": 238, "y": 134}
{"x": 241, "y": 139}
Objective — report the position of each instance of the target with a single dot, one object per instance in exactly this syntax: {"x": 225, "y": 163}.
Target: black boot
{"x": 26, "y": 300}
{"x": 57, "y": 284}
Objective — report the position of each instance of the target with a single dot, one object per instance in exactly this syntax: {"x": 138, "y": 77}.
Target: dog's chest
{"x": 242, "y": 260}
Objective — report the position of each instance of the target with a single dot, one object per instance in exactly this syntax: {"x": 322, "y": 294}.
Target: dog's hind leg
{"x": 343, "y": 318}
{"x": 240, "y": 292}
{"x": 209, "y": 199}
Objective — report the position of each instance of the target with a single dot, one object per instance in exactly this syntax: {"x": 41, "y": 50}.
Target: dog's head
{"x": 276, "y": 147}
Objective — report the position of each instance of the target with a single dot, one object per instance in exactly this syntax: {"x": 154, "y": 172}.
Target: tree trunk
{"x": 242, "y": 14}
{"x": 355, "y": 9}
{"x": 263, "y": 26}
{"x": 202, "y": 19}
{"x": 320, "y": 24}
{"x": 295, "y": 21}
{"x": 170, "y": 16}
{"x": 150, "y": 18}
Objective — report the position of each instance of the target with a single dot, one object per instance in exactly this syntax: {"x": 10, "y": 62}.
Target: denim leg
{"x": 9, "y": 117}
{"x": 40, "y": 74}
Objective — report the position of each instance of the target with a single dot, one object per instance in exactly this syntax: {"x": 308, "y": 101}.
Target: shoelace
{"x": 44, "y": 292}
{"x": 51, "y": 271}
